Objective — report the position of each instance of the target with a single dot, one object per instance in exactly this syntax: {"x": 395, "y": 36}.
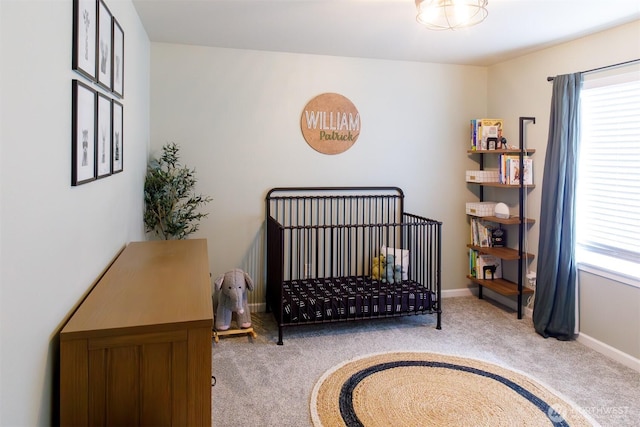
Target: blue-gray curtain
{"x": 555, "y": 301}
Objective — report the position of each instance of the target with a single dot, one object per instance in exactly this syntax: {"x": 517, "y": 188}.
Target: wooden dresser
{"x": 137, "y": 351}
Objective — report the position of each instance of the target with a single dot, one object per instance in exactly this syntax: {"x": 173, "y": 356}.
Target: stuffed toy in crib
{"x": 377, "y": 271}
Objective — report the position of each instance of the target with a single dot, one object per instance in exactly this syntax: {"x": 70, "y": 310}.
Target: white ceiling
{"x": 382, "y": 29}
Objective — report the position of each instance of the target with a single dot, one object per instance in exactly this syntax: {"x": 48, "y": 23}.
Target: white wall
{"x": 236, "y": 115}
{"x": 56, "y": 239}
{"x": 520, "y": 88}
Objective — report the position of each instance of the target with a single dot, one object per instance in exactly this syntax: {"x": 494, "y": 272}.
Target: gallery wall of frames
{"x": 98, "y": 94}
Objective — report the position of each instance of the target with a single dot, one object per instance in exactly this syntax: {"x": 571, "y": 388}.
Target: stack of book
{"x": 478, "y": 262}
{"x": 485, "y": 234}
{"x": 486, "y": 134}
{"x": 510, "y": 171}
{"x": 481, "y": 233}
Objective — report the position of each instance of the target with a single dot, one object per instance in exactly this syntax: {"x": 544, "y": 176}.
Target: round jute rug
{"x": 427, "y": 389}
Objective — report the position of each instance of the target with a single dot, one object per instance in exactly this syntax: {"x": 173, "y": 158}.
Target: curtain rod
{"x": 619, "y": 64}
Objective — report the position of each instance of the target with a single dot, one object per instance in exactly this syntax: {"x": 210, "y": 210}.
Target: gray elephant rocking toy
{"x": 231, "y": 297}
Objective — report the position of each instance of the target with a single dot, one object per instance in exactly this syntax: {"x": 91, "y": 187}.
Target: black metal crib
{"x": 321, "y": 243}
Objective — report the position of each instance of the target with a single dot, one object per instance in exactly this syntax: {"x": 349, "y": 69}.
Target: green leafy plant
{"x": 171, "y": 205}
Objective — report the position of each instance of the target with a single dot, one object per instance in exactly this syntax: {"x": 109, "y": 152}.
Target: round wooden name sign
{"x": 330, "y": 123}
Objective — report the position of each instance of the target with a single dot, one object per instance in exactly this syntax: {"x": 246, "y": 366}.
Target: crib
{"x": 320, "y": 247}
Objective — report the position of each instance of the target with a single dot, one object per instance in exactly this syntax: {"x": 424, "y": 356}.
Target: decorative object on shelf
{"x": 501, "y": 210}
{"x": 330, "y": 123}
{"x": 485, "y": 267}
{"x": 451, "y": 14}
{"x": 498, "y": 237}
{"x": 171, "y": 205}
{"x": 83, "y": 131}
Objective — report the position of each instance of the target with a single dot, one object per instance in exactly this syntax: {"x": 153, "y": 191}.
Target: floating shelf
{"x": 512, "y": 220}
{"x": 498, "y": 185}
{"x": 501, "y": 286}
{"x": 502, "y": 253}
{"x": 515, "y": 151}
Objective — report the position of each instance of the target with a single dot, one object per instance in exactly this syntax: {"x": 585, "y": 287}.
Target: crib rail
{"x": 322, "y": 232}
{"x": 334, "y": 231}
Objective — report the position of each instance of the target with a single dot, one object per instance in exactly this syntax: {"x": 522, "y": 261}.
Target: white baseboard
{"x": 473, "y": 290}
{"x": 462, "y": 292}
{"x": 611, "y": 352}
{"x": 258, "y": 308}
{"x": 586, "y": 340}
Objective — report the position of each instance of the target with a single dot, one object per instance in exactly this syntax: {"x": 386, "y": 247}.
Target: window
{"x": 608, "y": 191}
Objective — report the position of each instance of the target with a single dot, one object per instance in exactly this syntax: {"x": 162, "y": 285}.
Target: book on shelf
{"x": 516, "y": 172}
{"x": 482, "y": 129}
{"x": 478, "y": 262}
{"x": 473, "y": 130}
{"x": 481, "y": 233}
{"x": 472, "y": 262}
{"x": 509, "y": 169}
{"x": 494, "y": 263}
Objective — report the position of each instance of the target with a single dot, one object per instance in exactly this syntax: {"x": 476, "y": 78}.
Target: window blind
{"x": 608, "y": 197}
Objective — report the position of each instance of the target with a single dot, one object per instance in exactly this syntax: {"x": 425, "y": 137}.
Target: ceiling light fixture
{"x": 451, "y": 14}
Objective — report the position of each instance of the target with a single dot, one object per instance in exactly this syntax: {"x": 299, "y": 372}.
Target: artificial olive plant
{"x": 171, "y": 204}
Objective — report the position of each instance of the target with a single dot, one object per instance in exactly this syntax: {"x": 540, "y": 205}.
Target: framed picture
{"x": 103, "y": 150}
{"x": 117, "y": 138}
{"x": 105, "y": 41}
{"x": 84, "y": 37}
{"x": 118, "y": 59}
{"x": 83, "y": 128}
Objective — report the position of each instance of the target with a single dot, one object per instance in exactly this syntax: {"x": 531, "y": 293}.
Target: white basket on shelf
{"x": 483, "y": 176}
{"x": 480, "y": 208}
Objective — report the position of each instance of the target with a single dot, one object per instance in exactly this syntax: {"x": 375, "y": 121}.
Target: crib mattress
{"x": 342, "y": 298}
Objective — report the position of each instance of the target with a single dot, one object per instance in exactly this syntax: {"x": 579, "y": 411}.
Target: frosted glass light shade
{"x": 450, "y": 14}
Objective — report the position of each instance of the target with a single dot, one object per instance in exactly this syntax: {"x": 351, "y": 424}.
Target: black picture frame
{"x": 83, "y": 128}
{"x": 84, "y": 37}
{"x": 117, "y": 73}
{"x": 104, "y": 46}
{"x": 104, "y": 136}
{"x": 117, "y": 150}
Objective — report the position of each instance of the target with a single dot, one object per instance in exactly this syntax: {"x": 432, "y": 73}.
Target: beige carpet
{"x": 263, "y": 384}
{"x": 430, "y": 389}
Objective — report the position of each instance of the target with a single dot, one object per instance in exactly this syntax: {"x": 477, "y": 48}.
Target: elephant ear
{"x": 218, "y": 282}
{"x": 248, "y": 281}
